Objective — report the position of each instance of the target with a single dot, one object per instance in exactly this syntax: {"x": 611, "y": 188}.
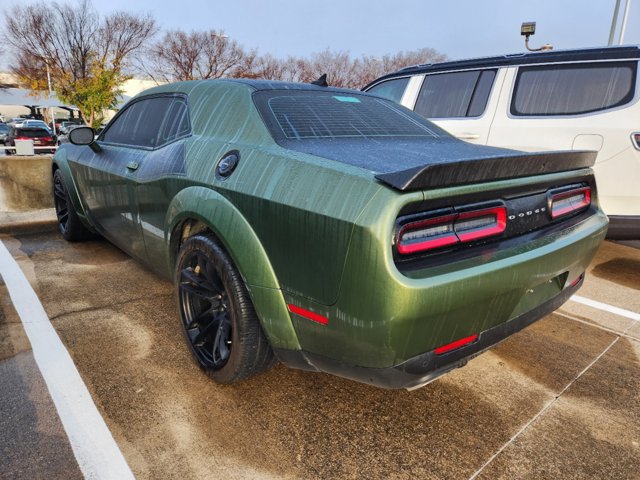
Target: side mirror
{"x": 84, "y": 136}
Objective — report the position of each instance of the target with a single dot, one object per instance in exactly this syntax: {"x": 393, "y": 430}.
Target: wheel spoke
{"x": 59, "y": 192}
{"x": 198, "y": 321}
{"x": 192, "y": 283}
{"x": 63, "y": 215}
{"x": 205, "y": 334}
{"x": 222, "y": 341}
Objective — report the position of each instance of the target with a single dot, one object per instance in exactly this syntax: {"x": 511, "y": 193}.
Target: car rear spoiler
{"x": 486, "y": 169}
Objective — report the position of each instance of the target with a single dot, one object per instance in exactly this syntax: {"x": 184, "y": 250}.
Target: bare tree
{"x": 342, "y": 70}
{"x": 196, "y": 55}
{"x": 86, "y": 55}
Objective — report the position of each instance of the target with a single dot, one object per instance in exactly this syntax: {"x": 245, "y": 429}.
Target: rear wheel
{"x": 69, "y": 223}
{"x": 219, "y": 321}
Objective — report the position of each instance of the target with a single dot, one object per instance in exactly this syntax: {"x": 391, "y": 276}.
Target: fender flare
{"x": 245, "y": 249}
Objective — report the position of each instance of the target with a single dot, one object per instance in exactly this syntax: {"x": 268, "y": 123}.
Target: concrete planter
{"x": 25, "y": 183}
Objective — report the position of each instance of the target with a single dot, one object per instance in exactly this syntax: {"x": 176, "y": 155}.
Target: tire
{"x": 219, "y": 321}
{"x": 69, "y": 223}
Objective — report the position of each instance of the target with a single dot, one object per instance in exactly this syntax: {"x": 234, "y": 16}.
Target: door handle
{"x": 133, "y": 165}
{"x": 469, "y": 136}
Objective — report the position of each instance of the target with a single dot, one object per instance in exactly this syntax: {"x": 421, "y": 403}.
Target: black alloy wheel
{"x": 69, "y": 223}
{"x": 219, "y": 321}
{"x": 204, "y": 305}
{"x": 60, "y": 202}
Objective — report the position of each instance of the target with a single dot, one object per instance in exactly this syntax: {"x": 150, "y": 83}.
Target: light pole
{"x": 53, "y": 119}
{"x": 614, "y": 22}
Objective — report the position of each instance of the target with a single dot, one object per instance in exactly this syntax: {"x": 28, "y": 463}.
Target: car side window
{"x": 573, "y": 88}
{"x": 176, "y": 122}
{"x": 143, "y": 124}
{"x": 391, "y": 89}
{"x": 455, "y": 95}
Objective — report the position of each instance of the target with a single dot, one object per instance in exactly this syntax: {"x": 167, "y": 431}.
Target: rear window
{"x": 32, "y": 132}
{"x": 299, "y": 115}
{"x": 573, "y": 89}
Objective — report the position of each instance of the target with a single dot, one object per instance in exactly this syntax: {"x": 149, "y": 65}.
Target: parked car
{"x": 573, "y": 99}
{"x": 36, "y": 124}
{"x": 4, "y": 130}
{"x": 329, "y": 229}
{"x": 64, "y": 137}
{"x": 63, "y": 125}
{"x": 39, "y": 136}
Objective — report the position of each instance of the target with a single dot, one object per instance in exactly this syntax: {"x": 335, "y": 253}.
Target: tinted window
{"x": 573, "y": 89}
{"x": 176, "y": 121}
{"x": 31, "y": 132}
{"x": 452, "y": 95}
{"x": 304, "y": 115}
{"x": 4, "y": 129}
{"x": 143, "y": 123}
{"x": 391, "y": 89}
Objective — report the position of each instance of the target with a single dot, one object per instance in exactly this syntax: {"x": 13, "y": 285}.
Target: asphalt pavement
{"x": 561, "y": 399}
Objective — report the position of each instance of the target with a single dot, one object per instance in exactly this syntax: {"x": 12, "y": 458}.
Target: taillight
{"x": 571, "y": 201}
{"x": 451, "y": 229}
{"x": 23, "y": 138}
{"x": 635, "y": 139}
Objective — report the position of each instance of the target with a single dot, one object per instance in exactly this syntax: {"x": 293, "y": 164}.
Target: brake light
{"x": 451, "y": 229}
{"x": 23, "y": 138}
{"x": 635, "y": 139}
{"x": 455, "y": 345}
{"x": 569, "y": 202}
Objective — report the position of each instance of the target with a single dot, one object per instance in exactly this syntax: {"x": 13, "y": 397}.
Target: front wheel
{"x": 218, "y": 319}
{"x": 69, "y": 223}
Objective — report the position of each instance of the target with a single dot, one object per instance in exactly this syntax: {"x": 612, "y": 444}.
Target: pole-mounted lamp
{"x": 527, "y": 29}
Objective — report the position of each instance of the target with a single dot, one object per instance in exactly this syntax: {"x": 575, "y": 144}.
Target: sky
{"x": 458, "y": 29}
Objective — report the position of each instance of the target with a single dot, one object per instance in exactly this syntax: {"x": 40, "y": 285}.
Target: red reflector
{"x": 635, "y": 138}
{"x": 577, "y": 280}
{"x": 571, "y": 201}
{"x": 308, "y": 314}
{"x": 457, "y": 344}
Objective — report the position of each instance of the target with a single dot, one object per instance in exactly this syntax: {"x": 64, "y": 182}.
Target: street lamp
{"x": 53, "y": 119}
{"x": 527, "y": 29}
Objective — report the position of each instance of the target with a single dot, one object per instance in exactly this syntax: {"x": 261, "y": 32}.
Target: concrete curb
{"x": 32, "y": 221}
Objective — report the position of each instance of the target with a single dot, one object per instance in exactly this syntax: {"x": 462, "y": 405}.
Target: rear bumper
{"x": 624, "y": 227}
{"x": 426, "y": 367}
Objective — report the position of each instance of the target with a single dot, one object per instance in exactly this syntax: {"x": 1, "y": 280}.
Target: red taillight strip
{"x": 455, "y": 345}
{"x": 571, "y": 208}
{"x": 308, "y": 314}
{"x": 635, "y": 139}
{"x": 454, "y": 236}
{"x": 501, "y": 224}
{"x": 437, "y": 242}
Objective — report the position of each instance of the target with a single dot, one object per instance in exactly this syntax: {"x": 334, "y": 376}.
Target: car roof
{"x": 526, "y": 58}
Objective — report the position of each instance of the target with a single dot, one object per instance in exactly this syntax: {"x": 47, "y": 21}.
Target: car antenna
{"x": 322, "y": 81}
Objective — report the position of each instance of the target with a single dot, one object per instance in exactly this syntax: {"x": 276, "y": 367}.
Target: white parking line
{"x": 93, "y": 445}
{"x": 606, "y": 307}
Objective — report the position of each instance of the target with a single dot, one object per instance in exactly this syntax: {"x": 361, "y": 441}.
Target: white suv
{"x": 558, "y": 100}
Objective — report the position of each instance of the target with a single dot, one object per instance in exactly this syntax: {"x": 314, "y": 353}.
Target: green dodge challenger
{"x": 329, "y": 229}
